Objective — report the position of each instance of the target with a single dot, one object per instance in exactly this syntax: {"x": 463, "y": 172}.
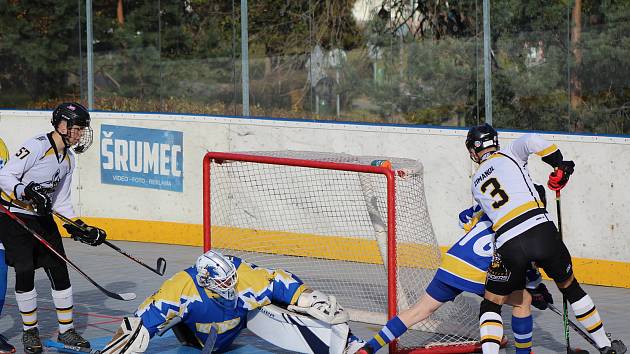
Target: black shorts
{"x": 23, "y": 251}
{"x": 540, "y": 244}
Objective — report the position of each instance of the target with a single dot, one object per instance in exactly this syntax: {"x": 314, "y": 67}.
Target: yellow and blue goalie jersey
{"x": 4, "y": 154}
{"x": 505, "y": 191}
{"x": 182, "y": 296}
{"x": 4, "y": 157}
{"x": 465, "y": 264}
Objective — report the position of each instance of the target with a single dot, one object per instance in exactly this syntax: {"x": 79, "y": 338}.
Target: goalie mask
{"x": 218, "y": 274}
{"x": 78, "y": 119}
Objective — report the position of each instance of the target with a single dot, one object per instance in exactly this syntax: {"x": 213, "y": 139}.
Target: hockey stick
{"x": 209, "y": 344}
{"x": 565, "y": 314}
{"x": 161, "y": 262}
{"x": 123, "y": 296}
{"x": 575, "y": 327}
{"x": 69, "y": 348}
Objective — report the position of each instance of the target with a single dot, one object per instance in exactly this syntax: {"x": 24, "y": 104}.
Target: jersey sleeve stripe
{"x": 516, "y": 212}
{"x": 547, "y": 151}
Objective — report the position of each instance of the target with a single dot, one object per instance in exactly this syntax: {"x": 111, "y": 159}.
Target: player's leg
{"x": 522, "y": 321}
{"x": 5, "y": 347}
{"x": 505, "y": 275}
{"x": 437, "y": 293}
{"x": 19, "y": 254}
{"x": 61, "y": 289}
{"x": 554, "y": 257}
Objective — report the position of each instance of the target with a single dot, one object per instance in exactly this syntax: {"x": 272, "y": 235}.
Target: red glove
{"x": 560, "y": 177}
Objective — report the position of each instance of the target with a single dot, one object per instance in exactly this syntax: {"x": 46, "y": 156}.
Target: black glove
{"x": 39, "y": 199}
{"x": 82, "y": 232}
{"x": 540, "y": 297}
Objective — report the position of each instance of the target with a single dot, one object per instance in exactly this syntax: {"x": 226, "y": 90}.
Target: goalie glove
{"x": 320, "y": 306}
{"x": 82, "y": 232}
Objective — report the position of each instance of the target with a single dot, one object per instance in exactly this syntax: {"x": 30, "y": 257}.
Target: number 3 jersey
{"x": 39, "y": 161}
{"x": 200, "y": 308}
{"x": 505, "y": 191}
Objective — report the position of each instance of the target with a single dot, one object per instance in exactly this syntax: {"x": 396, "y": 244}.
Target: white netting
{"x": 329, "y": 227}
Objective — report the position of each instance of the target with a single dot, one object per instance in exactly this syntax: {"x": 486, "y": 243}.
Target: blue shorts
{"x": 441, "y": 291}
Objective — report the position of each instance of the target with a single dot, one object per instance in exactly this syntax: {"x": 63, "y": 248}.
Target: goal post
{"x": 358, "y": 231}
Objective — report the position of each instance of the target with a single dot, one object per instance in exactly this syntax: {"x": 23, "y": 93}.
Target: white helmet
{"x": 217, "y": 273}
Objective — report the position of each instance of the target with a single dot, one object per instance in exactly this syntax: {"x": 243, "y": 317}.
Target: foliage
{"x": 419, "y": 64}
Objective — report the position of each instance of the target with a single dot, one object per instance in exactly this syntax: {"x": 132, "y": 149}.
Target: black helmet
{"x": 481, "y": 137}
{"x": 76, "y": 115}
{"x": 73, "y": 112}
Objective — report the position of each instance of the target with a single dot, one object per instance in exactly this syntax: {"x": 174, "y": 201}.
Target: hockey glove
{"x": 468, "y": 218}
{"x": 82, "y": 232}
{"x": 320, "y": 306}
{"x": 39, "y": 199}
{"x": 559, "y": 177}
{"x": 540, "y": 297}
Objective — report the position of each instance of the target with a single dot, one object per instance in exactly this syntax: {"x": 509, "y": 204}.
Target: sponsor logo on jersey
{"x": 484, "y": 175}
{"x": 141, "y": 157}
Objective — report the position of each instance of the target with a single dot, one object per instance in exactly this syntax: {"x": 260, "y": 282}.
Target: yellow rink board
{"x": 589, "y": 271}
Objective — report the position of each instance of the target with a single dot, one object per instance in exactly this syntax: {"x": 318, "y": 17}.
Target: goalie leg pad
{"x": 131, "y": 338}
{"x": 296, "y": 332}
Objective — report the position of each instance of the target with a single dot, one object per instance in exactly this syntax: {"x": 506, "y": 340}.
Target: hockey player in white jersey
{"x": 524, "y": 232}
{"x": 34, "y": 182}
{"x": 463, "y": 269}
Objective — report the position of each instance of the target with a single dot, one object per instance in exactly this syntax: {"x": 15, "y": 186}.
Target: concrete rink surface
{"x": 97, "y": 317}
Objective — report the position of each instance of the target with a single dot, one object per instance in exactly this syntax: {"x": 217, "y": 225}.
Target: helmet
{"x": 76, "y": 115}
{"x": 217, "y": 273}
{"x": 481, "y": 137}
{"x": 73, "y": 112}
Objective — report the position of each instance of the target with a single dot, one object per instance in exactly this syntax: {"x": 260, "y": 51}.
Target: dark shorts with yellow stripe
{"x": 23, "y": 251}
{"x": 541, "y": 244}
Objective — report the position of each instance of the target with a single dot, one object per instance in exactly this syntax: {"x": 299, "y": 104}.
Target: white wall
{"x": 594, "y": 204}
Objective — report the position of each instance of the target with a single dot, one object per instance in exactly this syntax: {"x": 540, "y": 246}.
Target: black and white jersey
{"x": 505, "y": 191}
{"x": 39, "y": 161}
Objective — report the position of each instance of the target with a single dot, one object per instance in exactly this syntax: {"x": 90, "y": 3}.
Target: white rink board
{"x": 594, "y": 204}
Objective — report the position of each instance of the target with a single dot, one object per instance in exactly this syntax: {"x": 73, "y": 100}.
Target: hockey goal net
{"x": 345, "y": 227}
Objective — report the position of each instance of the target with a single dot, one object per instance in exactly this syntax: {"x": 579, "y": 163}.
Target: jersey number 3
{"x": 496, "y": 190}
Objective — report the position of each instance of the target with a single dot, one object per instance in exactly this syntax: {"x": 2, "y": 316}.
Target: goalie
{"x": 208, "y": 304}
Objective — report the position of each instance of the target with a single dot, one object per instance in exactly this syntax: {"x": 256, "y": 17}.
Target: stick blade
{"x": 161, "y": 266}
{"x": 127, "y": 296}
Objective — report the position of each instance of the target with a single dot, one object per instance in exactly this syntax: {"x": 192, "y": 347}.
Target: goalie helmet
{"x": 217, "y": 273}
{"x": 479, "y": 138}
{"x": 75, "y": 115}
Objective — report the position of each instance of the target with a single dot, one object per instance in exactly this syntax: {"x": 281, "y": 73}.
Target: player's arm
{"x": 168, "y": 302}
{"x": 285, "y": 288}
{"x": 534, "y": 144}
{"x": 62, "y": 203}
{"x": 10, "y": 174}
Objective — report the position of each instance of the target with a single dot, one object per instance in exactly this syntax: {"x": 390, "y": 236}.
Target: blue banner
{"x": 141, "y": 157}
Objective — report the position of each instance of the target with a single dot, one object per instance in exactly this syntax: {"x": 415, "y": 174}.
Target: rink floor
{"x": 97, "y": 317}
